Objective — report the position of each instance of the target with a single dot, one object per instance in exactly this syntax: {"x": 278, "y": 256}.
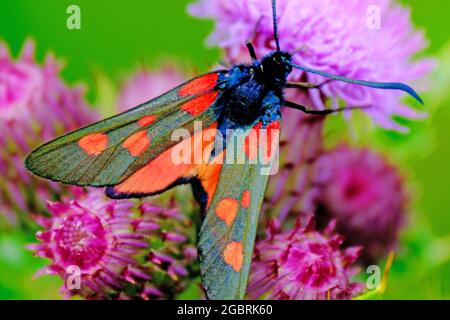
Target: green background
{"x": 118, "y": 36}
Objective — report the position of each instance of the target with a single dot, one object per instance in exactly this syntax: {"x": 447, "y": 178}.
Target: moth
{"x": 131, "y": 154}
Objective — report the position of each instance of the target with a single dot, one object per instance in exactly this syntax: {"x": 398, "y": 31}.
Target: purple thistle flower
{"x": 121, "y": 250}
{"x": 365, "y": 195}
{"x": 145, "y": 85}
{"x": 35, "y": 106}
{"x": 303, "y": 264}
{"x": 331, "y": 36}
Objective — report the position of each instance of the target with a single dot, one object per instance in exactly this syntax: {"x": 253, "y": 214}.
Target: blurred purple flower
{"x": 366, "y": 196}
{"x": 119, "y": 250}
{"x": 145, "y": 85}
{"x": 35, "y": 106}
{"x": 303, "y": 264}
{"x": 331, "y": 36}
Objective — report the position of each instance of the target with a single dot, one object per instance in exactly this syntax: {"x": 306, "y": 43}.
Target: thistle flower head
{"x": 144, "y": 85}
{"x": 35, "y": 106}
{"x": 116, "y": 248}
{"x": 302, "y": 264}
{"x": 365, "y": 194}
{"x": 337, "y": 36}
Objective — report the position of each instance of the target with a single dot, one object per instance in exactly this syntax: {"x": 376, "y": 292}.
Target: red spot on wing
{"x": 252, "y": 141}
{"x": 157, "y": 175}
{"x": 94, "y": 144}
{"x": 200, "y": 104}
{"x": 146, "y": 121}
{"x": 246, "y": 198}
{"x": 233, "y": 255}
{"x": 227, "y": 209}
{"x": 137, "y": 143}
{"x": 163, "y": 171}
{"x": 199, "y": 85}
{"x": 273, "y": 130}
{"x": 255, "y": 140}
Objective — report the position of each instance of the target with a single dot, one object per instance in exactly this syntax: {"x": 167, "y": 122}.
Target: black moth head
{"x": 277, "y": 66}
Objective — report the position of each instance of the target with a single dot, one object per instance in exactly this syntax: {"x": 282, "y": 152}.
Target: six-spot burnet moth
{"x": 132, "y": 154}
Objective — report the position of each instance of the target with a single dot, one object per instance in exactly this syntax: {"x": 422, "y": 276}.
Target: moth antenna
{"x": 371, "y": 84}
{"x": 275, "y": 24}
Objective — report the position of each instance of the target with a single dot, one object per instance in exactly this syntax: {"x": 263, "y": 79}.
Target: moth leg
{"x": 304, "y": 109}
{"x": 251, "y": 50}
{"x": 307, "y": 85}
